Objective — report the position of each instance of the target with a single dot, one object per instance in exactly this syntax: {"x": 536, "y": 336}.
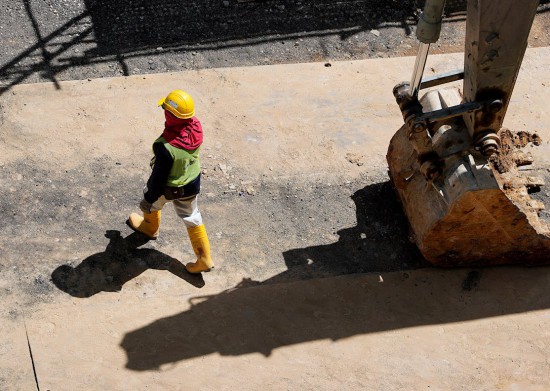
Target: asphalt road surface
{"x": 46, "y": 40}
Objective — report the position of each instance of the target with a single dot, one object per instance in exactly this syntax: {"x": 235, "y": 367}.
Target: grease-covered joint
{"x": 489, "y": 118}
{"x": 419, "y": 126}
{"x": 401, "y": 92}
{"x": 487, "y": 122}
{"x": 409, "y": 105}
{"x": 494, "y": 106}
{"x": 431, "y": 166}
{"x": 488, "y": 142}
{"x": 422, "y": 142}
{"x": 418, "y": 129}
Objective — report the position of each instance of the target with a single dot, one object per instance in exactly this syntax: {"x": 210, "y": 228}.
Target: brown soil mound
{"x": 517, "y": 184}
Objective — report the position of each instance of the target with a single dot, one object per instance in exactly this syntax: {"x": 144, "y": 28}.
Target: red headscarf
{"x": 182, "y": 133}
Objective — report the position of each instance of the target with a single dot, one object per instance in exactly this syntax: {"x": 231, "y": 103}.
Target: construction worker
{"x": 176, "y": 178}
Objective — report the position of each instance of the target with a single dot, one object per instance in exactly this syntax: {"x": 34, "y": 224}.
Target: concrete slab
{"x": 266, "y": 111}
{"x": 294, "y": 159}
{"x": 16, "y": 364}
{"x": 421, "y": 330}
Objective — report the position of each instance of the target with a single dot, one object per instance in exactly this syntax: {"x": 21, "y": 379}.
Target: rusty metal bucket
{"x": 478, "y": 212}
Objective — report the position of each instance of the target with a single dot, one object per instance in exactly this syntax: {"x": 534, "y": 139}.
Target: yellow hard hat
{"x": 179, "y": 103}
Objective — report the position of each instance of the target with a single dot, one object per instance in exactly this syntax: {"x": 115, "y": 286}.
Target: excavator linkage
{"x": 455, "y": 170}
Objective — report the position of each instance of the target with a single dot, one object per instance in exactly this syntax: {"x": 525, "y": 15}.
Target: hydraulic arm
{"x": 441, "y": 159}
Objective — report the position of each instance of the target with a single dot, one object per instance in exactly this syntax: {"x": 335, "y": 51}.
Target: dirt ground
{"x": 280, "y": 216}
{"x": 317, "y": 285}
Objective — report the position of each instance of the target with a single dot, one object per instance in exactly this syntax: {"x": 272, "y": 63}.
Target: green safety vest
{"x": 186, "y": 166}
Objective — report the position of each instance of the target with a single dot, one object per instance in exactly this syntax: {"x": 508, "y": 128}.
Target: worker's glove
{"x": 145, "y": 206}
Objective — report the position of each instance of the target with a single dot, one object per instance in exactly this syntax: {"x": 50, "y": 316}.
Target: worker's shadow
{"x": 296, "y": 306}
{"x": 121, "y": 261}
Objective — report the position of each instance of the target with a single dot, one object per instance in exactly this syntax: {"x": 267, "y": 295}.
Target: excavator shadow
{"x": 121, "y": 261}
{"x": 297, "y": 306}
{"x": 258, "y": 318}
{"x": 379, "y": 242}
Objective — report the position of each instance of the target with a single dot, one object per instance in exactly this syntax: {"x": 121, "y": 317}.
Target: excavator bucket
{"x": 455, "y": 169}
{"x": 478, "y": 212}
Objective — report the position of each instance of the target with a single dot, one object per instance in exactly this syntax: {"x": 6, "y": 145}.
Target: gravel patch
{"x": 80, "y": 39}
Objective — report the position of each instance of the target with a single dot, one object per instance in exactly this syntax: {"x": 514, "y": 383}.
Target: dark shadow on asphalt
{"x": 121, "y": 261}
{"x": 296, "y": 306}
{"x": 378, "y": 243}
{"x": 123, "y": 27}
{"x": 118, "y": 30}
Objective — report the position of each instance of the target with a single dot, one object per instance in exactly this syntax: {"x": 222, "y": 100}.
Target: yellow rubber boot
{"x": 147, "y": 225}
{"x": 201, "y": 246}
